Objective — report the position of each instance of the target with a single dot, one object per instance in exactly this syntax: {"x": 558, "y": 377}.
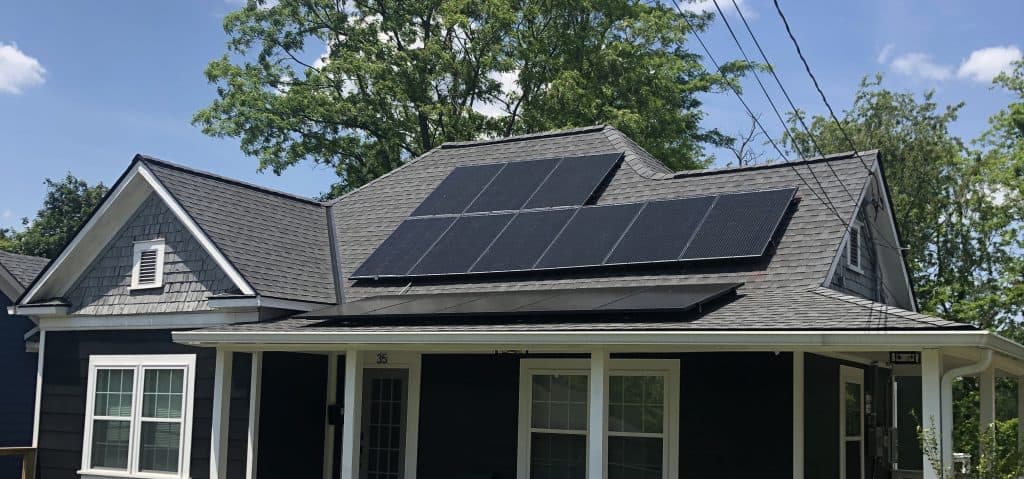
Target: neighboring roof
{"x": 809, "y": 242}
{"x": 278, "y": 242}
{"x": 815, "y": 309}
{"x": 23, "y": 268}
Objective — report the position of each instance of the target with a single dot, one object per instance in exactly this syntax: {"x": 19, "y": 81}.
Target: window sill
{"x": 143, "y": 288}
{"x": 108, "y": 474}
{"x": 855, "y": 269}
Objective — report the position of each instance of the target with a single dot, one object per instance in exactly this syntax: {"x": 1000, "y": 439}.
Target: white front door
{"x": 851, "y": 423}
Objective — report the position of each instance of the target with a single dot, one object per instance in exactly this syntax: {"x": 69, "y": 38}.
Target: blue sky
{"x": 84, "y": 86}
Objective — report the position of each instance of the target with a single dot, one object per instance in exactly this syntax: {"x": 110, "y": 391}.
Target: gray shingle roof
{"x": 801, "y": 259}
{"x": 277, "y": 241}
{"x": 24, "y": 268}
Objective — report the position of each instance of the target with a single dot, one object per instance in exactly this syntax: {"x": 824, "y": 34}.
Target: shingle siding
{"x": 863, "y": 283}
{"x": 190, "y": 274}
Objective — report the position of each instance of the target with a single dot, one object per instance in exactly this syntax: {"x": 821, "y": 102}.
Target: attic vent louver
{"x": 148, "y": 264}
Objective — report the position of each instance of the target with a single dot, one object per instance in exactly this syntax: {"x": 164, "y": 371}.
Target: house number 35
{"x": 382, "y": 358}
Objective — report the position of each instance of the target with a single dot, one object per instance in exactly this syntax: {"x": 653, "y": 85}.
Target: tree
{"x": 398, "y": 78}
{"x": 68, "y": 203}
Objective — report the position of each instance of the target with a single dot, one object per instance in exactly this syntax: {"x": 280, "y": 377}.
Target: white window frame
{"x": 668, "y": 368}
{"x": 137, "y": 249}
{"x": 859, "y": 266}
{"x": 848, "y": 374}
{"x": 140, "y": 364}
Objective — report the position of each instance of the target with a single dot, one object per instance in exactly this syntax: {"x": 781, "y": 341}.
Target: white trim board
{"x": 132, "y": 189}
{"x": 146, "y": 321}
{"x": 257, "y": 301}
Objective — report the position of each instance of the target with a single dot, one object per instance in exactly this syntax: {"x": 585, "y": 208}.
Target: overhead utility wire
{"x": 771, "y": 101}
{"x": 754, "y": 117}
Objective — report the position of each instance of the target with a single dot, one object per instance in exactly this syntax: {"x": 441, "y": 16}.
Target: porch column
{"x": 798, "y": 415}
{"x": 931, "y": 410}
{"x": 353, "y": 410}
{"x": 1020, "y": 412}
{"x": 221, "y": 415}
{"x": 987, "y": 393}
{"x": 598, "y": 443}
{"x": 253, "y": 433}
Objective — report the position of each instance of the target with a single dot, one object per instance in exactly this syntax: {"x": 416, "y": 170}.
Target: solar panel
{"x": 513, "y": 186}
{"x": 589, "y": 236}
{"x": 662, "y": 231}
{"x": 397, "y": 254}
{"x": 574, "y": 181}
{"x": 457, "y": 190}
{"x": 740, "y": 225}
{"x": 523, "y": 241}
{"x": 464, "y": 242}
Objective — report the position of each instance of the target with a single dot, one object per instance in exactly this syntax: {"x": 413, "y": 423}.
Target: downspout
{"x": 946, "y": 401}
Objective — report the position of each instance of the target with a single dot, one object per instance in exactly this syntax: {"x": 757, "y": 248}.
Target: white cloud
{"x": 920, "y": 65}
{"x": 18, "y": 70}
{"x": 883, "y": 56}
{"x": 984, "y": 64}
{"x": 701, "y": 6}
{"x": 7, "y": 214}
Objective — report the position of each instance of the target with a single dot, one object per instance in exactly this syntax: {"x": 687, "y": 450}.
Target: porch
{"x": 520, "y": 405}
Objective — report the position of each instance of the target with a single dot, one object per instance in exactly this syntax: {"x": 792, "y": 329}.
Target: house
{"x": 556, "y": 305}
{"x": 18, "y": 346}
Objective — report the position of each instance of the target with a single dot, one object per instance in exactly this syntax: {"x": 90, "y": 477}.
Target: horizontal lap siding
{"x": 18, "y": 386}
{"x": 65, "y": 372}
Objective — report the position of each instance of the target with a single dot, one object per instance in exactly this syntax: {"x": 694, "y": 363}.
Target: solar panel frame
{"x": 513, "y": 186}
{"x": 717, "y": 238}
{"x": 403, "y": 249}
{"x": 574, "y": 181}
{"x": 458, "y": 190}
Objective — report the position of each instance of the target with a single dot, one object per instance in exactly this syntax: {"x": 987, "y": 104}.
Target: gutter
{"x": 946, "y": 403}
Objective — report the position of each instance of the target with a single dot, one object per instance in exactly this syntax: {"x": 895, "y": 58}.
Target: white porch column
{"x": 1020, "y": 412}
{"x": 931, "y": 409}
{"x": 353, "y": 412}
{"x": 987, "y": 392}
{"x": 332, "y": 398}
{"x": 597, "y": 445}
{"x": 253, "y": 433}
{"x": 221, "y": 415}
{"x": 798, "y": 415}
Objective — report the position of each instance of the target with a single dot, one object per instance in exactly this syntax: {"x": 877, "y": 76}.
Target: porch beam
{"x": 221, "y": 415}
{"x": 253, "y": 433}
{"x": 798, "y": 415}
{"x": 353, "y": 412}
{"x": 931, "y": 408}
{"x": 597, "y": 449}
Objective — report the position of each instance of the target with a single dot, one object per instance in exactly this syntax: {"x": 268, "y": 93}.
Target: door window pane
{"x": 853, "y": 409}
{"x": 635, "y": 457}
{"x": 559, "y": 402}
{"x": 162, "y": 393}
{"x": 636, "y": 404}
{"x": 160, "y": 442}
{"x": 110, "y": 444}
{"x": 558, "y": 456}
{"x": 114, "y": 392}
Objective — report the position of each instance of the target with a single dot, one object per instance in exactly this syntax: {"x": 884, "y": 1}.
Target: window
{"x": 554, "y": 408}
{"x": 851, "y": 434}
{"x": 138, "y": 416}
{"x": 854, "y": 247}
{"x": 148, "y": 264}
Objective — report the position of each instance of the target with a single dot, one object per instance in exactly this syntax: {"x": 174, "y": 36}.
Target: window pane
{"x": 636, "y": 404}
{"x": 634, "y": 458}
{"x": 110, "y": 444}
{"x": 162, "y": 394}
{"x": 160, "y": 442}
{"x": 852, "y": 409}
{"x": 558, "y": 456}
{"x": 114, "y": 392}
{"x": 559, "y": 402}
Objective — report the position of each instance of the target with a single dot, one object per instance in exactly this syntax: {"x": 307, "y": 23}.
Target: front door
{"x": 385, "y": 397}
{"x": 851, "y": 423}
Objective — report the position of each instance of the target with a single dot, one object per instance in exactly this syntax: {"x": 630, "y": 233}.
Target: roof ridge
{"x": 527, "y": 136}
{"x": 225, "y": 179}
{"x": 637, "y": 157}
{"x": 779, "y": 164}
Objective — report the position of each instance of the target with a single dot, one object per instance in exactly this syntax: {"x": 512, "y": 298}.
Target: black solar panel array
{"x": 687, "y": 229}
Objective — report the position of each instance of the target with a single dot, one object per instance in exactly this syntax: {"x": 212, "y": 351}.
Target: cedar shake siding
{"x": 64, "y": 394}
{"x": 862, "y": 283}
{"x": 190, "y": 274}
{"x": 18, "y": 386}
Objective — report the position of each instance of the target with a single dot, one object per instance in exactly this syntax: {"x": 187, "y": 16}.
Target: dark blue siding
{"x": 18, "y": 383}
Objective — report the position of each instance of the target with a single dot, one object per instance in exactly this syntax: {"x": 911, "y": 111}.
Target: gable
{"x": 190, "y": 274}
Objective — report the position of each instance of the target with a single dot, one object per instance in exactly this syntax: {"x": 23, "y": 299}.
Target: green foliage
{"x": 398, "y": 78}
{"x": 68, "y": 203}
